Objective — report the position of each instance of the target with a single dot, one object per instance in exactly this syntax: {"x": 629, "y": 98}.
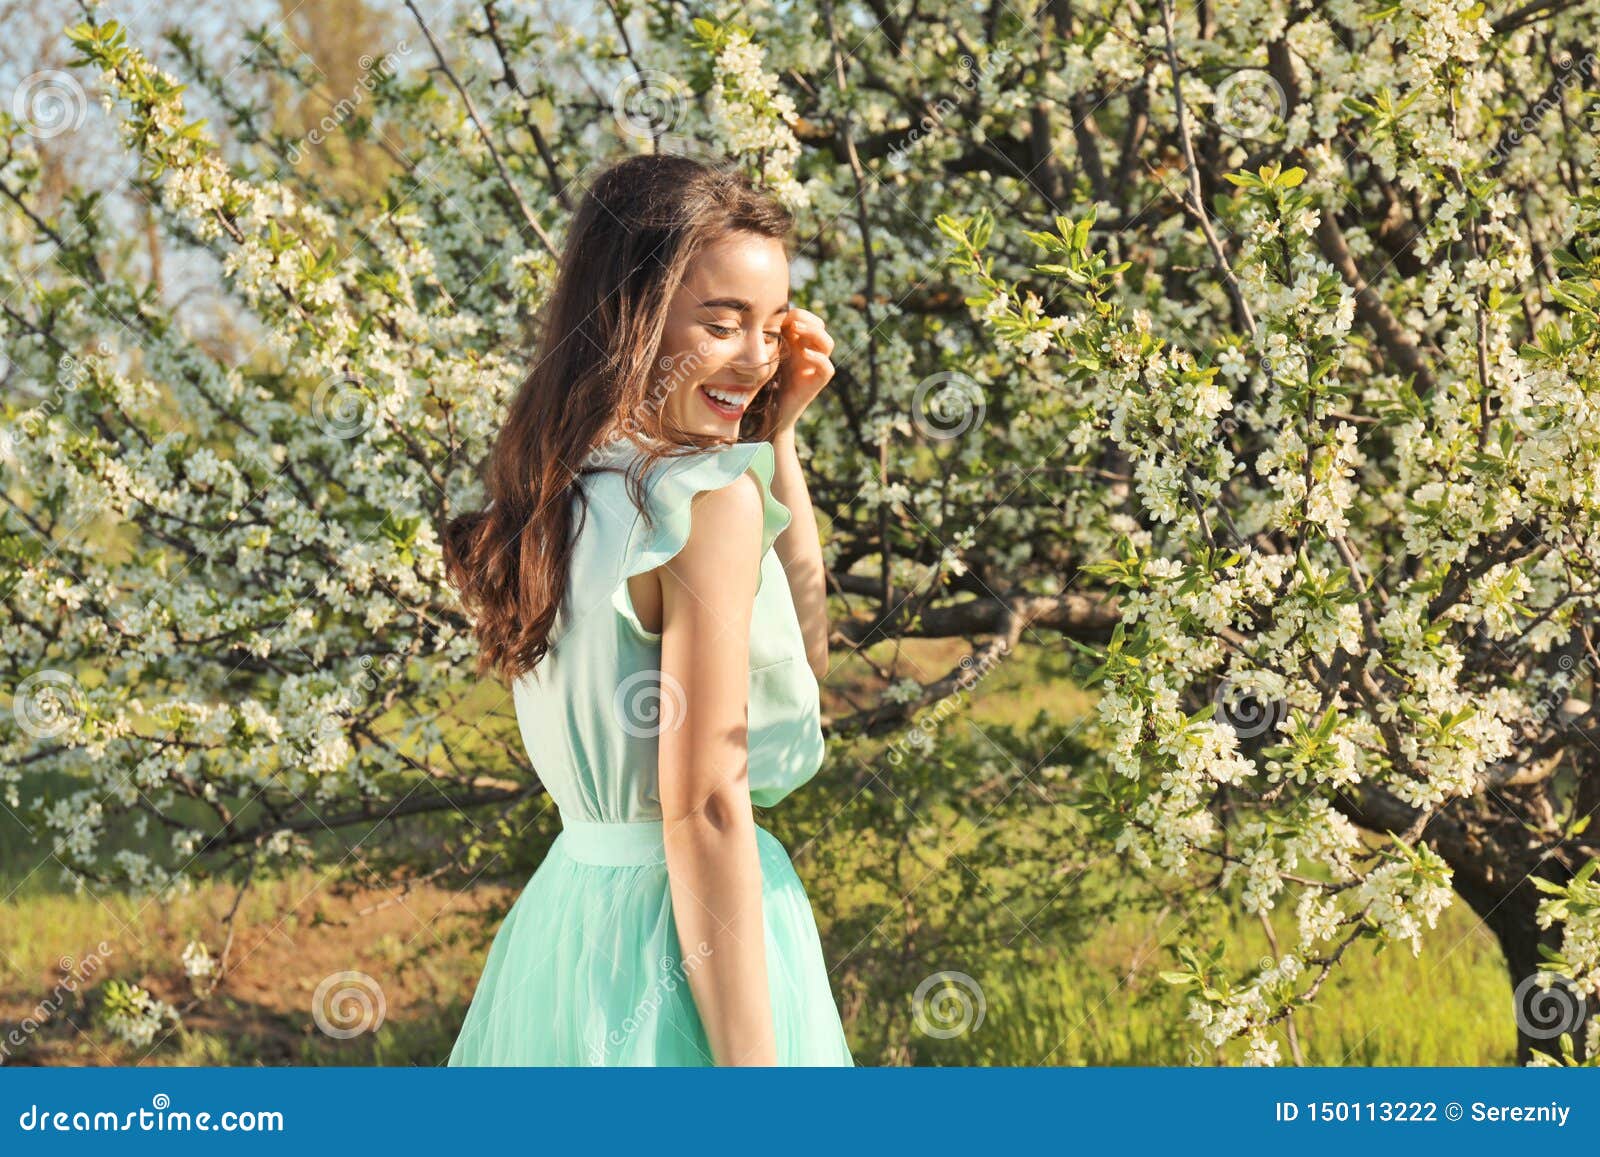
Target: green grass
{"x": 1106, "y": 1005}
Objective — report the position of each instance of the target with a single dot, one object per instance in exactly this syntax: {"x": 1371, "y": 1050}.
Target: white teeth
{"x": 727, "y": 399}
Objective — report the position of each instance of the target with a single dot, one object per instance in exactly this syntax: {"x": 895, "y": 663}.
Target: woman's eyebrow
{"x": 739, "y": 304}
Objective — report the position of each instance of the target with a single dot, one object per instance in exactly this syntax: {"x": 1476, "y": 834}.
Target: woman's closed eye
{"x": 718, "y": 330}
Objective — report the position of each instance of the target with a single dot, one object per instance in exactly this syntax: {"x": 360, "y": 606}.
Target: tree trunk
{"x": 1491, "y": 861}
{"x": 1541, "y": 1015}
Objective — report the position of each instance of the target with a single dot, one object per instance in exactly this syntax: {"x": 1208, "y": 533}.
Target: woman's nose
{"x": 753, "y": 360}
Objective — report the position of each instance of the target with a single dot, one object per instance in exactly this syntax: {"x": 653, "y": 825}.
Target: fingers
{"x": 809, "y": 330}
{"x": 814, "y": 365}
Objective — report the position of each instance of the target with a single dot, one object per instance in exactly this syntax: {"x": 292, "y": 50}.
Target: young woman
{"x": 648, "y": 577}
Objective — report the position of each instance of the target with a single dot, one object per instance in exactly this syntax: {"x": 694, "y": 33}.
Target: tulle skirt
{"x": 587, "y": 968}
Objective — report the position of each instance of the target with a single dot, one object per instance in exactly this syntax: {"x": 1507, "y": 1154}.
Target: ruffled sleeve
{"x": 670, "y": 493}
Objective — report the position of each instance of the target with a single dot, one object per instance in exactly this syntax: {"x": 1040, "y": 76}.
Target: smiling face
{"x": 723, "y": 334}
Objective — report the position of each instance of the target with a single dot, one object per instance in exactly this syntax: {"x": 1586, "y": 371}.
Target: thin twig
{"x": 472, "y": 111}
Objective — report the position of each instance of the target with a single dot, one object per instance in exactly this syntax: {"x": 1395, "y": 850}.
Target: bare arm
{"x": 799, "y": 548}
{"x": 708, "y": 596}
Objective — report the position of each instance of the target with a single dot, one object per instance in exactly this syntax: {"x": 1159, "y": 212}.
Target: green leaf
{"x": 982, "y": 227}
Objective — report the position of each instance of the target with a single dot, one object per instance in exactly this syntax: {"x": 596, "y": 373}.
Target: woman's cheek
{"x": 680, "y": 365}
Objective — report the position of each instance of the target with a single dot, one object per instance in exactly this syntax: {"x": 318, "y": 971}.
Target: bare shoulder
{"x": 724, "y": 538}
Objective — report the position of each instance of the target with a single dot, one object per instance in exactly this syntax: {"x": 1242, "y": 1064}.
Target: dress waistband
{"x": 615, "y": 844}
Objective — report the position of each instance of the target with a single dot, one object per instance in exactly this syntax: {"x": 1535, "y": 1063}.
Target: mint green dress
{"x": 587, "y": 968}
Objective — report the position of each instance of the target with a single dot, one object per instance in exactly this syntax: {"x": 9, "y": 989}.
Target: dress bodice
{"x": 591, "y": 711}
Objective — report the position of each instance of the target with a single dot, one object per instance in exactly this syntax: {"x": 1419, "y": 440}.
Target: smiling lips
{"x": 726, "y": 402}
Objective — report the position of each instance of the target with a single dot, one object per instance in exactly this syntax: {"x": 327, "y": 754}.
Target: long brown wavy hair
{"x": 595, "y": 377}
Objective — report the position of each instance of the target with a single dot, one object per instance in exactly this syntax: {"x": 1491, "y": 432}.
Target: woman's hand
{"x": 806, "y": 368}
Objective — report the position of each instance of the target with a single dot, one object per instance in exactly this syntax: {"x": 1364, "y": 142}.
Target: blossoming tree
{"x": 1252, "y": 349}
